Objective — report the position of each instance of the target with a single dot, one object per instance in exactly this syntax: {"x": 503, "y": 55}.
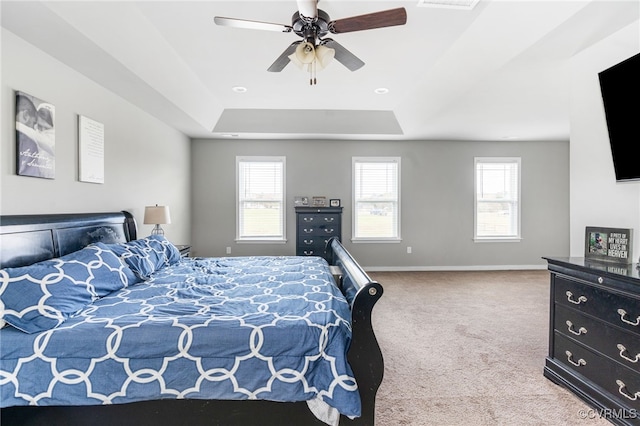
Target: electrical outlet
{"x": 228, "y": 250}
{"x": 409, "y": 250}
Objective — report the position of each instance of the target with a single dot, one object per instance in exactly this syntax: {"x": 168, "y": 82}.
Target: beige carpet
{"x": 468, "y": 348}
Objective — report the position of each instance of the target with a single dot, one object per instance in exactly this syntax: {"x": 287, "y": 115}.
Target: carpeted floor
{"x": 468, "y": 348}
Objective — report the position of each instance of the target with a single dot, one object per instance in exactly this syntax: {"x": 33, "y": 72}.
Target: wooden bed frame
{"x": 26, "y": 239}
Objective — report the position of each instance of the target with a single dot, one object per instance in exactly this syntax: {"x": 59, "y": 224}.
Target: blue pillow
{"x": 43, "y": 295}
{"x": 146, "y": 255}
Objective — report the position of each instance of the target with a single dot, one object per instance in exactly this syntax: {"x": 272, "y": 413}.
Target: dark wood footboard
{"x": 364, "y": 355}
{"x": 54, "y": 235}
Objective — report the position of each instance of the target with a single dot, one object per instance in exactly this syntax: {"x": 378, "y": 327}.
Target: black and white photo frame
{"x": 35, "y": 137}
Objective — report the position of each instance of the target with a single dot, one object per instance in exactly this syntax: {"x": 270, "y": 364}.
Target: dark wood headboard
{"x": 26, "y": 239}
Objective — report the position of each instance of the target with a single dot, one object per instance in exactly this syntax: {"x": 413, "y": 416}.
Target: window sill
{"x": 261, "y": 241}
{"x": 497, "y": 239}
{"x": 376, "y": 240}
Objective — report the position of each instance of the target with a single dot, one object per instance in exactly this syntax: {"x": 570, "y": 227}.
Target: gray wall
{"x": 437, "y": 199}
{"x": 146, "y": 162}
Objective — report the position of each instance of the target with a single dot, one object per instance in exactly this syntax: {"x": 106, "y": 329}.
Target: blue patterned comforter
{"x": 273, "y": 328}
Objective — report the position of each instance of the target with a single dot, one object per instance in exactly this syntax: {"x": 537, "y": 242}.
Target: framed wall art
{"x": 608, "y": 244}
{"x": 35, "y": 137}
{"x": 91, "y": 150}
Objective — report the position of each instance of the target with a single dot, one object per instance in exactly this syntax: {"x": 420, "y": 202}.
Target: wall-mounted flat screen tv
{"x": 620, "y": 87}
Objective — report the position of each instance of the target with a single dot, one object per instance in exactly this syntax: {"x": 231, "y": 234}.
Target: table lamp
{"x": 157, "y": 215}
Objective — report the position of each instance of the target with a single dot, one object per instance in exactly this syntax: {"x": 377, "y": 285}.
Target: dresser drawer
{"x": 318, "y": 218}
{"x": 311, "y": 246}
{"x": 313, "y": 241}
{"x": 619, "y": 381}
{"x": 614, "y": 308}
{"x": 619, "y": 345}
{"x": 320, "y": 229}
{"x": 310, "y": 251}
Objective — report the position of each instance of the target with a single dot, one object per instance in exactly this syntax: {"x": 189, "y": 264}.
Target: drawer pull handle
{"x": 307, "y": 219}
{"x": 328, "y": 219}
{"x": 624, "y": 354}
{"x": 572, "y": 330}
{"x": 622, "y": 389}
{"x": 623, "y": 314}
{"x": 308, "y": 241}
{"x": 581, "y": 299}
{"x": 578, "y": 363}
{"x": 329, "y": 231}
{"x": 308, "y": 231}
{"x": 308, "y": 253}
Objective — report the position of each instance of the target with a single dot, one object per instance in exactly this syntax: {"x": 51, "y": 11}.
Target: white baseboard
{"x": 454, "y": 268}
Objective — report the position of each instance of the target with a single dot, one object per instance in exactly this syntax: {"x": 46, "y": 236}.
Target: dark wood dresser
{"x": 314, "y": 227}
{"x": 594, "y": 337}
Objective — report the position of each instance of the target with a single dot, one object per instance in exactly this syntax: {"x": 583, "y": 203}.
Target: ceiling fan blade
{"x": 385, "y": 18}
{"x": 342, "y": 55}
{"x": 283, "y": 60}
{"x": 308, "y": 9}
{"x": 254, "y": 25}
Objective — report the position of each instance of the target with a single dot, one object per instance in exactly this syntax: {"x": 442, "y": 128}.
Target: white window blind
{"x": 497, "y": 204}
{"x": 260, "y": 210}
{"x": 376, "y": 195}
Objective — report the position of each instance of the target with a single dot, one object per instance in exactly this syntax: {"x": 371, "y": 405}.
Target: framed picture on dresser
{"x": 319, "y": 201}
{"x": 608, "y": 244}
{"x": 300, "y": 200}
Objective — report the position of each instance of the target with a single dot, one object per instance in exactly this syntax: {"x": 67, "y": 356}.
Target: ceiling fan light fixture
{"x": 305, "y": 53}
{"x": 324, "y": 56}
{"x": 312, "y": 58}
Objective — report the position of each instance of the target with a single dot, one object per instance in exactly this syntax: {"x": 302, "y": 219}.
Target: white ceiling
{"x": 499, "y": 71}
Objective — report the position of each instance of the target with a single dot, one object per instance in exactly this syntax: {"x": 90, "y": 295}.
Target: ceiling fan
{"x": 312, "y": 24}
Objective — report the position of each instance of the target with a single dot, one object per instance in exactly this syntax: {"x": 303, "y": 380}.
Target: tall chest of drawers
{"x": 314, "y": 227}
{"x": 594, "y": 335}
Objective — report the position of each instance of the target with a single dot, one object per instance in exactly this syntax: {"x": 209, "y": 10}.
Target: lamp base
{"x": 157, "y": 230}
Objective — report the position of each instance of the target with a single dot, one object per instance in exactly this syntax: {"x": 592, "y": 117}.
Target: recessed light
{"x": 381, "y": 91}
{"x": 239, "y": 89}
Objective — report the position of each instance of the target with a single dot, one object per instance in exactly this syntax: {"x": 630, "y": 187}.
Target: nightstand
{"x": 184, "y": 250}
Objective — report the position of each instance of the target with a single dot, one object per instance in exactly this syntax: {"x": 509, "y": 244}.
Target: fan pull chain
{"x": 312, "y": 73}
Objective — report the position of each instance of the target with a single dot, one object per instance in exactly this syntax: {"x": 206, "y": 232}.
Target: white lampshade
{"x": 312, "y": 58}
{"x": 304, "y": 54}
{"x": 157, "y": 215}
{"x": 324, "y": 55}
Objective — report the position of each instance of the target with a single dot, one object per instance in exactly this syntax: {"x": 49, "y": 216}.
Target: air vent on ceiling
{"x": 449, "y": 4}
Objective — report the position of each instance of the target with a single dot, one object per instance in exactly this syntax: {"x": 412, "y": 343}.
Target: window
{"x": 376, "y": 197}
{"x": 497, "y": 200}
{"x": 260, "y": 195}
